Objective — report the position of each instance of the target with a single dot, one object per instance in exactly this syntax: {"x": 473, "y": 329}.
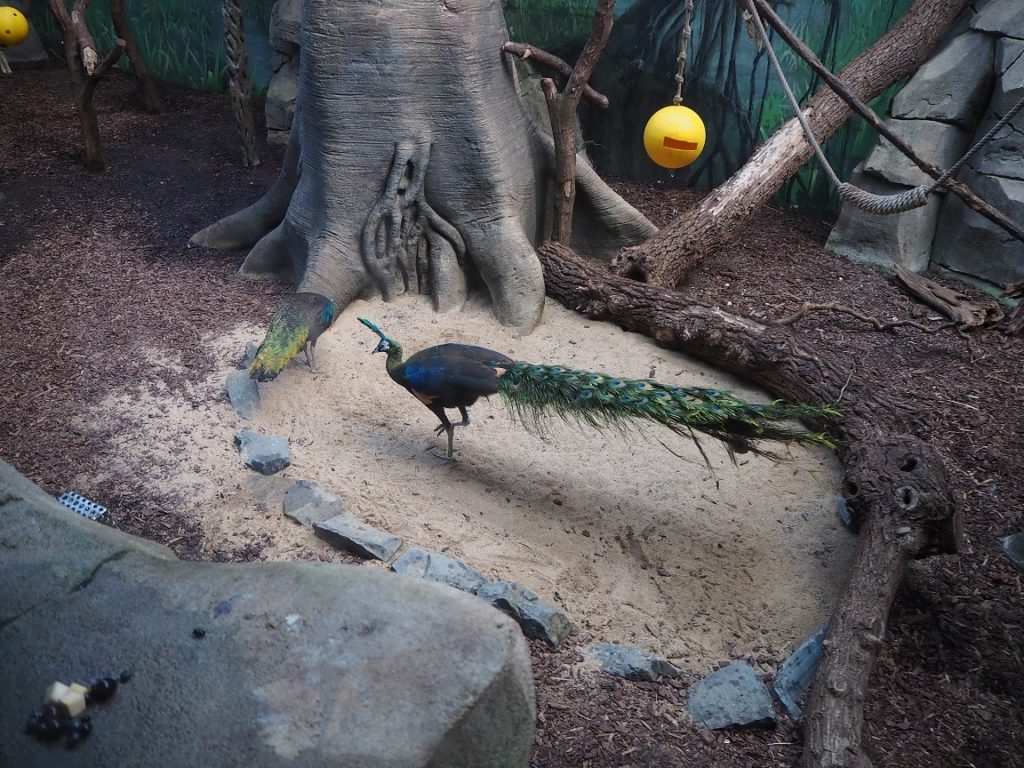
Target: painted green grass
{"x": 181, "y": 40}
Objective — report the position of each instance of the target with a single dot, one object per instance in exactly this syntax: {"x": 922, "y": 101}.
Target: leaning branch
{"x": 526, "y": 51}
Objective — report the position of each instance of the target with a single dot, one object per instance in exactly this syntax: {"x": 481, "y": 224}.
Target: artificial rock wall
{"x": 950, "y": 103}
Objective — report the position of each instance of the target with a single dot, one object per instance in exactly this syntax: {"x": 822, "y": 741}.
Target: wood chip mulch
{"x": 95, "y": 267}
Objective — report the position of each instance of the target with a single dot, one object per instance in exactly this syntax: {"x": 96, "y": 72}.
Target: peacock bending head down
{"x": 297, "y": 324}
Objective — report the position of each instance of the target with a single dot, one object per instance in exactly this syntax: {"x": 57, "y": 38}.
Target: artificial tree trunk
{"x": 413, "y": 165}
{"x": 677, "y": 249}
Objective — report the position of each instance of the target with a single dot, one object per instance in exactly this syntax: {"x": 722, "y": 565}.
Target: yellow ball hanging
{"x": 674, "y": 136}
{"x": 13, "y": 27}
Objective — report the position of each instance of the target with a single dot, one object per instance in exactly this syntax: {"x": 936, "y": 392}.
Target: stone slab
{"x": 266, "y": 454}
{"x": 939, "y": 143}
{"x": 353, "y": 535}
{"x": 306, "y": 503}
{"x": 630, "y": 663}
{"x": 297, "y": 663}
{"x": 243, "y": 394}
{"x": 732, "y": 696}
{"x": 538, "y": 620}
{"x": 796, "y": 674}
{"x": 441, "y": 568}
{"x": 953, "y": 86}
{"x": 1005, "y": 17}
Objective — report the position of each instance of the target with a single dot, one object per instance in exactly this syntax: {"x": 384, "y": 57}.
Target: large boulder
{"x": 941, "y": 144}
{"x": 295, "y": 663}
{"x": 953, "y": 86}
{"x": 905, "y": 239}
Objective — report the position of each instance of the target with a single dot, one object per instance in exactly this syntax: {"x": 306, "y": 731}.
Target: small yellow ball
{"x": 674, "y": 136}
{"x": 13, "y": 26}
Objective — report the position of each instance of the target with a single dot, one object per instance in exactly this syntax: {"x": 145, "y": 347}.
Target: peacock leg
{"x": 445, "y": 426}
{"x": 465, "y": 418}
{"x": 311, "y": 355}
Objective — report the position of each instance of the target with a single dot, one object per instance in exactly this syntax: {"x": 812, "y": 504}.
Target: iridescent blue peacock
{"x": 455, "y": 376}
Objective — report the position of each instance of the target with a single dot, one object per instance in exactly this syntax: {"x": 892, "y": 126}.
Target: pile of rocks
{"x": 951, "y": 102}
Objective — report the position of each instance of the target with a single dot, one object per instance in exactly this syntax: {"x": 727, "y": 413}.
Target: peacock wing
{"x": 457, "y": 374}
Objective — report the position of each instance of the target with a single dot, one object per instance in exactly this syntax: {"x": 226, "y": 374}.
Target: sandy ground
{"x": 635, "y": 544}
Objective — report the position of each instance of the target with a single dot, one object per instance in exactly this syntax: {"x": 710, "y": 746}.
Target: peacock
{"x": 296, "y": 325}
{"x": 457, "y": 375}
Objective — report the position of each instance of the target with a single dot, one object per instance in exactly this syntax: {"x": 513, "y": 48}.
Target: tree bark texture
{"x": 562, "y": 109}
{"x": 86, "y": 70}
{"x": 895, "y": 483}
{"x": 668, "y": 258}
{"x": 413, "y": 165}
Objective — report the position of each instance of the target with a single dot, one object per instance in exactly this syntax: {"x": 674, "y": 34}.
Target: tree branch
{"x": 527, "y": 51}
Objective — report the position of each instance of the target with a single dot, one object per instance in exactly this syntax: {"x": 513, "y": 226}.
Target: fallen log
{"x": 895, "y": 483}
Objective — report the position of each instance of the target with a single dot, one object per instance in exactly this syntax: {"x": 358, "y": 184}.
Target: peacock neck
{"x": 394, "y": 362}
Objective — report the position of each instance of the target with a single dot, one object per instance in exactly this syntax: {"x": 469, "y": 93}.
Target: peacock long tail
{"x": 533, "y": 392}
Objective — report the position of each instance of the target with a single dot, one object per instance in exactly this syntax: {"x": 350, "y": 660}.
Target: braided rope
{"x": 238, "y": 79}
{"x": 684, "y": 44}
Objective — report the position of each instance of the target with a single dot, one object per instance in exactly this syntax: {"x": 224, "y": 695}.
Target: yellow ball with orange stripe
{"x": 674, "y": 136}
{"x": 13, "y": 27}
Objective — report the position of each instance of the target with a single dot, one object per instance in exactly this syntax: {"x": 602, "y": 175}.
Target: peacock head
{"x": 387, "y": 345}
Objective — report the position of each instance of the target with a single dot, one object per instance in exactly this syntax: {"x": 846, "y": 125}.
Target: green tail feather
{"x": 283, "y": 342}
{"x": 535, "y": 391}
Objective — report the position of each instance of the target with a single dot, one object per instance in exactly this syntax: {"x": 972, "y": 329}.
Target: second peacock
{"x": 456, "y": 375}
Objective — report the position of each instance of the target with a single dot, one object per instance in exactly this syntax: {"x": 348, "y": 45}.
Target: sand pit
{"x": 635, "y": 544}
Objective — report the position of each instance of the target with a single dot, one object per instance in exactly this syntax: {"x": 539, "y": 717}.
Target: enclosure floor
{"x": 635, "y": 543}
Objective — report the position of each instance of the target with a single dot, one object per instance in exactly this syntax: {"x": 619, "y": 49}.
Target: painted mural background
{"x": 727, "y": 81}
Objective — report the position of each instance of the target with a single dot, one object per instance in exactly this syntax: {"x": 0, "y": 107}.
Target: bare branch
{"x": 527, "y": 51}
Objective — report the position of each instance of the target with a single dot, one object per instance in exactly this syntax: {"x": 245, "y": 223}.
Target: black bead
{"x": 198, "y": 632}
{"x": 126, "y": 675}
{"x": 73, "y": 739}
{"x": 49, "y": 730}
{"x": 34, "y": 725}
{"x": 101, "y": 690}
{"x": 80, "y": 725}
{"x": 51, "y": 712}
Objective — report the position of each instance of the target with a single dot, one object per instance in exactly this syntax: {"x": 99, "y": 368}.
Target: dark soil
{"x": 93, "y": 267}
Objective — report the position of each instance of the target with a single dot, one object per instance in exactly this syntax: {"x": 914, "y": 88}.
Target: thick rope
{"x": 238, "y": 80}
{"x": 684, "y": 44}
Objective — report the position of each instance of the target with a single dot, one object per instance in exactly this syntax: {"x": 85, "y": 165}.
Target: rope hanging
{"x": 684, "y": 44}
{"x": 868, "y": 201}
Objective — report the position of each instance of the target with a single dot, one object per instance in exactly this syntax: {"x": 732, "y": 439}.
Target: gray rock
{"x": 939, "y": 143}
{"x": 348, "y": 533}
{"x": 243, "y": 394}
{"x": 1014, "y": 547}
{"x": 281, "y": 94}
{"x": 731, "y": 696}
{"x": 844, "y": 514}
{"x": 953, "y": 86}
{"x": 538, "y": 620}
{"x": 438, "y": 567}
{"x": 905, "y": 239}
{"x": 967, "y": 242}
{"x": 301, "y": 663}
{"x": 797, "y": 673}
{"x": 306, "y": 503}
{"x": 251, "y": 348}
{"x": 1002, "y": 154}
{"x": 286, "y": 25}
{"x": 630, "y": 663}
{"x": 265, "y": 454}
{"x": 1001, "y": 16}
